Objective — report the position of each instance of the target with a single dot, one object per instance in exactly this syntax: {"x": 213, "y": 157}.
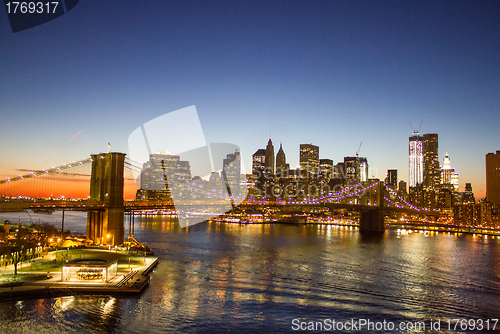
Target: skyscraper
{"x": 448, "y": 175}
{"x": 231, "y": 172}
{"x": 493, "y": 177}
{"x": 269, "y": 158}
{"x": 416, "y": 160}
{"x": 326, "y": 169}
{"x": 280, "y": 161}
{"x": 309, "y": 158}
{"x": 468, "y": 195}
{"x": 163, "y": 177}
{"x": 392, "y": 178}
{"x": 259, "y": 162}
{"x": 431, "y": 170}
{"x": 356, "y": 169}
{"x": 402, "y": 192}
{"x": 446, "y": 170}
{"x": 362, "y": 169}
{"x": 161, "y": 169}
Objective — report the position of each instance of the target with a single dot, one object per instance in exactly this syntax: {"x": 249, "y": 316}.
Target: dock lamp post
{"x": 113, "y": 240}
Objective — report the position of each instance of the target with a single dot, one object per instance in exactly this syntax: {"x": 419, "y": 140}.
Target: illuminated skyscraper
{"x": 231, "y": 172}
{"x": 468, "y": 195}
{"x": 326, "y": 169}
{"x": 431, "y": 171}
{"x": 356, "y": 169}
{"x": 446, "y": 170}
{"x": 259, "y": 162}
{"x": 448, "y": 175}
{"x": 362, "y": 169}
{"x": 162, "y": 169}
{"x": 493, "y": 177}
{"x": 416, "y": 160}
{"x": 163, "y": 177}
{"x": 309, "y": 158}
{"x": 402, "y": 192}
{"x": 454, "y": 181}
{"x": 392, "y": 178}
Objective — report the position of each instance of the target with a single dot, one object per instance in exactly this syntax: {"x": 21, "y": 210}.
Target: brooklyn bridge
{"x": 107, "y": 209}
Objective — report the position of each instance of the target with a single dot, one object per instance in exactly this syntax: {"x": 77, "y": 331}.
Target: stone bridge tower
{"x": 106, "y": 185}
{"x": 371, "y": 219}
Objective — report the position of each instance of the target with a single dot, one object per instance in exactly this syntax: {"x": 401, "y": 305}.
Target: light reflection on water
{"x": 217, "y": 277}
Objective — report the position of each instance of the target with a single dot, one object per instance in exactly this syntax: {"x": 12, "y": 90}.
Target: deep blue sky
{"x": 332, "y": 73}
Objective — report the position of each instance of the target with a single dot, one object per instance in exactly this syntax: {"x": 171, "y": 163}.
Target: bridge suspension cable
{"x": 402, "y": 200}
{"x": 47, "y": 171}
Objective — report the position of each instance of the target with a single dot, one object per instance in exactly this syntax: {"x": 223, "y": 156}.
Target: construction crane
{"x": 359, "y": 148}
{"x": 413, "y": 130}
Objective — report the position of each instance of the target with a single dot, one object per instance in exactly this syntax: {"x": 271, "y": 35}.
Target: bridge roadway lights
{"x": 371, "y": 220}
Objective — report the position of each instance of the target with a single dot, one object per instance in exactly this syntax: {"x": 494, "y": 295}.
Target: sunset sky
{"x": 331, "y": 73}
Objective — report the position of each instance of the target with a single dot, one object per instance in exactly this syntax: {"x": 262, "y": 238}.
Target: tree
{"x": 19, "y": 249}
{"x": 17, "y": 255}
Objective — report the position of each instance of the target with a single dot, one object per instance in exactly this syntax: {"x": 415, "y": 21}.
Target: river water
{"x": 216, "y": 277}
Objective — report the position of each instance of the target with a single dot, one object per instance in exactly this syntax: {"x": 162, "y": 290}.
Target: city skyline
{"x": 249, "y": 166}
{"x": 330, "y": 74}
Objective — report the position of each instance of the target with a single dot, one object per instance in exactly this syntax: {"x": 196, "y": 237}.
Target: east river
{"x": 215, "y": 278}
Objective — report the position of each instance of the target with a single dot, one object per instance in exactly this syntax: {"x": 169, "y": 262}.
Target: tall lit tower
{"x": 446, "y": 171}
{"x": 432, "y": 172}
{"x": 416, "y": 160}
{"x": 448, "y": 174}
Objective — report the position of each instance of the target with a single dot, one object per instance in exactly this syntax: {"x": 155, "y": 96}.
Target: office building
{"x": 231, "y": 172}
{"x": 402, "y": 191}
{"x": 493, "y": 177}
{"x": 162, "y": 170}
{"x": 416, "y": 160}
{"x": 468, "y": 194}
{"x": 356, "y": 169}
{"x": 392, "y": 179}
{"x": 309, "y": 158}
{"x": 431, "y": 170}
{"x": 325, "y": 170}
{"x": 449, "y": 178}
{"x": 259, "y": 162}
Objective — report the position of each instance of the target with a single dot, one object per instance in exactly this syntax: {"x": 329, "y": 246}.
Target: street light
{"x": 113, "y": 240}
{"x": 128, "y": 257}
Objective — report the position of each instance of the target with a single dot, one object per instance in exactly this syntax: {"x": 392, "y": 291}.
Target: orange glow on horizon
{"x": 57, "y": 186}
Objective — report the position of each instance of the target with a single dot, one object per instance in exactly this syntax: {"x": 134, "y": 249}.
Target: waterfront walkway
{"x": 132, "y": 280}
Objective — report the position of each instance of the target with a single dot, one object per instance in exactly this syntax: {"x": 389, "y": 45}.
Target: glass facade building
{"x": 416, "y": 160}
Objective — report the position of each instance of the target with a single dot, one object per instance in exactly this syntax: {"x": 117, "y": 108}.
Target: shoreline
{"x": 128, "y": 282}
{"x": 449, "y": 229}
